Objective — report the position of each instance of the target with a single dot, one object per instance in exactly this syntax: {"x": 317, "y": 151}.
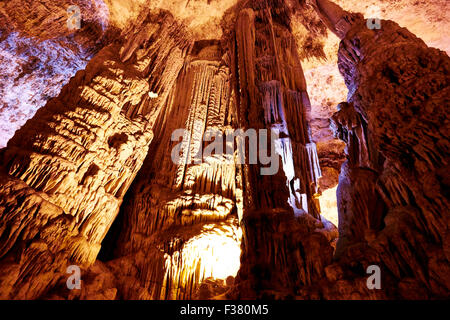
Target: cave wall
{"x": 39, "y": 53}
{"x": 79, "y": 155}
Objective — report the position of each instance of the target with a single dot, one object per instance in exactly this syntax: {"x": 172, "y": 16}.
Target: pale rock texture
{"x": 81, "y": 152}
{"x": 39, "y": 53}
{"x": 180, "y": 225}
{"x": 115, "y": 173}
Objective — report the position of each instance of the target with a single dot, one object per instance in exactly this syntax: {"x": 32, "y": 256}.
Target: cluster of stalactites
{"x": 349, "y": 126}
{"x": 335, "y": 18}
{"x": 270, "y": 74}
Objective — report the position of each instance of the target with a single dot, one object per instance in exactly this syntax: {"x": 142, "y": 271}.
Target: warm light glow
{"x": 219, "y": 251}
{"x": 328, "y": 206}
{"x": 298, "y": 201}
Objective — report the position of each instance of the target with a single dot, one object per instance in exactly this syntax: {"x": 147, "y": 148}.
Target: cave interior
{"x": 224, "y": 149}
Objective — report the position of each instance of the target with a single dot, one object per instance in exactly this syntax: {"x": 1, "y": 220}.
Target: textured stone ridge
{"x": 392, "y": 198}
{"x": 180, "y": 222}
{"x": 81, "y": 152}
{"x": 285, "y": 245}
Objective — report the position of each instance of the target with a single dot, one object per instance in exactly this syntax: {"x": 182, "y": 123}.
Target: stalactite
{"x": 69, "y": 155}
{"x": 392, "y": 182}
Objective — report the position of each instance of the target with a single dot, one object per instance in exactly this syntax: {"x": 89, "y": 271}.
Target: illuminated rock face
{"x": 180, "y": 223}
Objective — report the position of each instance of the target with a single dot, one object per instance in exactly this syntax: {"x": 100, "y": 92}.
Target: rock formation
{"x": 80, "y": 153}
{"x": 392, "y": 196}
{"x": 180, "y": 223}
{"x": 179, "y": 163}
